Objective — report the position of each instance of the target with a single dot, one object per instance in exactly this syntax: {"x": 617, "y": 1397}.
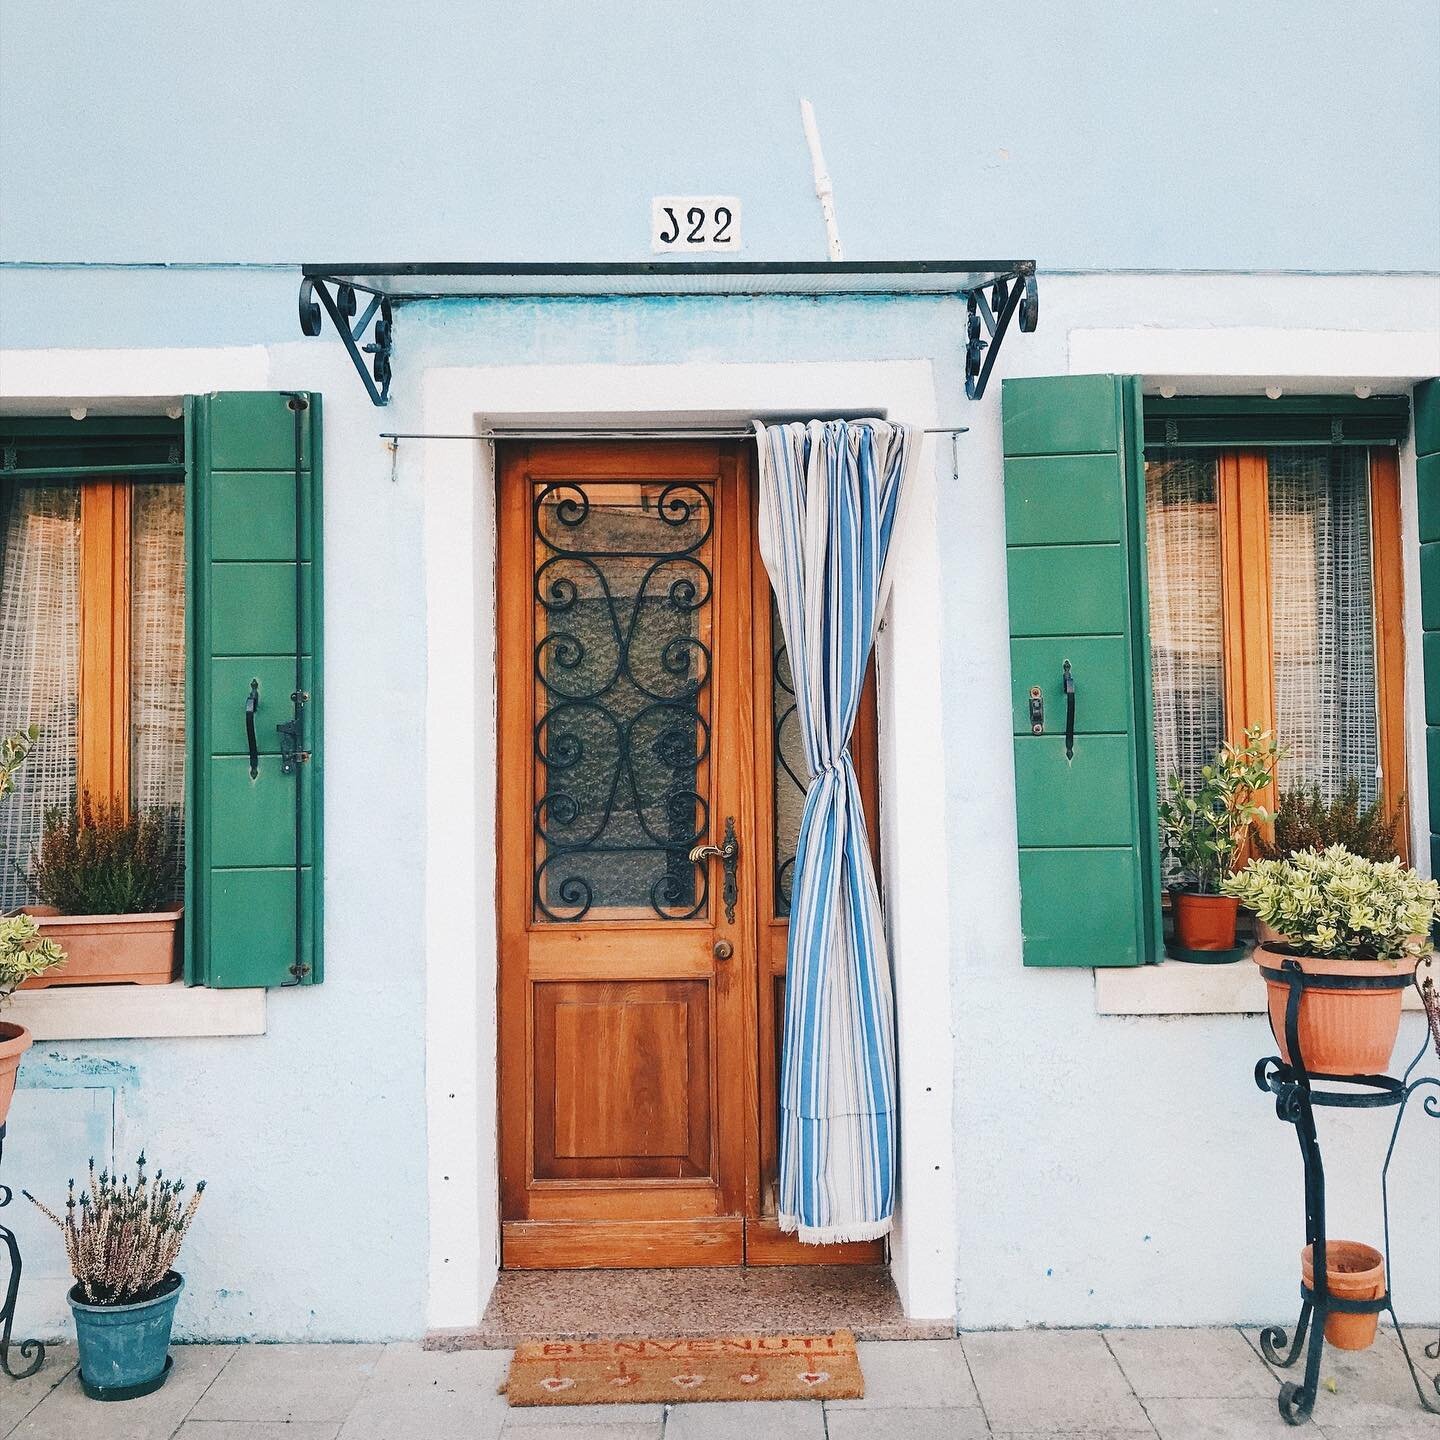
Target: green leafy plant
{"x": 24, "y": 953}
{"x": 1305, "y": 820}
{"x": 93, "y": 859}
{"x": 13, "y": 750}
{"x": 122, "y": 1240}
{"x": 1333, "y": 903}
{"x": 1203, "y": 827}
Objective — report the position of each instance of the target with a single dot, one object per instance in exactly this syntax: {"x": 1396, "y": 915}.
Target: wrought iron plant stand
{"x": 31, "y": 1350}
{"x": 1297, "y": 1094}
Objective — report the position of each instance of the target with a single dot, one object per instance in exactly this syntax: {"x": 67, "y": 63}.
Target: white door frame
{"x": 460, "y": 764}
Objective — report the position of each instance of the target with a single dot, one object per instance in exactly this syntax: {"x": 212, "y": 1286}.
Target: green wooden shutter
{"x": 1075, "y": 551}
{"x": 1427, "y": 477}
{"x": 253, "y": 861}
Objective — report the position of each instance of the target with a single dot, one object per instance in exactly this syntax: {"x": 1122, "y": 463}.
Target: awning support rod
{"x": 540, "y": 433}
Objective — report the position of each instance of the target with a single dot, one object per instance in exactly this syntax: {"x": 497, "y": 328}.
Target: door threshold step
{"x": 691, "y": 1303}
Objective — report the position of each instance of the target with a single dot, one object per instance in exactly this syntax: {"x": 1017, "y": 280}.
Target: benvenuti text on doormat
{"x": 719, "y": 1367}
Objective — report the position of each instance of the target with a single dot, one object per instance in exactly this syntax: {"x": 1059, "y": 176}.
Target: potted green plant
{"x": 122, "y": 1241}
{"x": 1339, "y": 915}
{"x": 25, "y": 954}
{"x": 13, "y": 750}
{"x": 1204, "y": 828}
{"x": 106, "y": 882}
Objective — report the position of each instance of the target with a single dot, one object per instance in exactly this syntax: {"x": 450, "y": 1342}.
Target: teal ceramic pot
{"x": 125, "y": 1349}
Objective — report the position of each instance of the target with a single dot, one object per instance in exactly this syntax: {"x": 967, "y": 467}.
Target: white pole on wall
{"x": 823, "y": 188}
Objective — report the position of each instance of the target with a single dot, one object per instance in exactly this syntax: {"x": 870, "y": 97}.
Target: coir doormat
{"x": 725, "y": 1367}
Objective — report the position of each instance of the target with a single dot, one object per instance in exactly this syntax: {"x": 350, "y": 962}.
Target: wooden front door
{"x": 640, "y": 981}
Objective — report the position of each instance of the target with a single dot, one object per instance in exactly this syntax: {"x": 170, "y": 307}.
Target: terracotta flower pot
{"x": 1204, "y": 922}
{"x": 110, "y": 949}
{"x": 1341, "y": 1032}
{"x": 15, "y": 1040}
{"x": 1352, "y": 1272}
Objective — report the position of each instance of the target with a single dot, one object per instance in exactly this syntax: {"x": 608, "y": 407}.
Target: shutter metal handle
{"x": 729, "y": 856}
{"x": 1068, "y": 679}
{"x": 252, "y": 704}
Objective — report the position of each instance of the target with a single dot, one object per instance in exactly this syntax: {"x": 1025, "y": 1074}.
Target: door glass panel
{"x": 789, "y": 766}
{"x": 623, "y": 619}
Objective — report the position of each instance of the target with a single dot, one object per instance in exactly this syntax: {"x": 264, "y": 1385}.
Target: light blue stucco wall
{"x": 1223, "y": 134}
{"x": 1226, "y": 135}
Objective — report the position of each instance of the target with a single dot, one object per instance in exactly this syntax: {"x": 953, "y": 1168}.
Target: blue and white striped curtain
{"x": 830, "y": 493}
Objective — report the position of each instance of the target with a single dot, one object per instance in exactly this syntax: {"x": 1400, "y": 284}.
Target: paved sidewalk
{"x": 1023, "y": 1385}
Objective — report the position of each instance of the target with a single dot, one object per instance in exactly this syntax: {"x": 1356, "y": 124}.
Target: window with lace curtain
{"x": 1275, "y": 600}
{"x": 92, "y": 624}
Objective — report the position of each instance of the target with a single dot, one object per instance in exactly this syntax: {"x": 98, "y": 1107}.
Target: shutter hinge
{"x": 291, "y": 755}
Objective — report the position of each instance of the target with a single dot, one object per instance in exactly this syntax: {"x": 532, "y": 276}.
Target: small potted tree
{"x": 122, "y": 1241}
{"x": 1204, "y": 828}
{"x": 106, "y": 884}
{"x": 25, "y": 954}
{"x": 1339, "y": 915}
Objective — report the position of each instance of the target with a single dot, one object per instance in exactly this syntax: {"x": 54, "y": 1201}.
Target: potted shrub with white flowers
{"x": 1204, "y": 829}
{"x": 1339, "y": 915}
{"x": 122, "y": 1241}
{"x": 105, "y": 881}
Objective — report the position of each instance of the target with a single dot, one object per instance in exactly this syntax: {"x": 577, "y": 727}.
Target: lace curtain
{"x": 1182, "y": 524}
{"x": 1322, "y": 609}
{"x": 39, "y": 662}
{"x": 157, "y": 652}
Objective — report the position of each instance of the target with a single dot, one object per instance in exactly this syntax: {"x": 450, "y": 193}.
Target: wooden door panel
{"x": 622, "y": 1080}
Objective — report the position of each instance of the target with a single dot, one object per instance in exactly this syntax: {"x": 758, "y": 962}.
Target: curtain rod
{"x": 537, "y": 433}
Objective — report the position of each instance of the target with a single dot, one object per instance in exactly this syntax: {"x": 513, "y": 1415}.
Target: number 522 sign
{"x": 694, "y": 222}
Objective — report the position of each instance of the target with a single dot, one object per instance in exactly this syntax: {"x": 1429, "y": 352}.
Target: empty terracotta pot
{"x": 1341, "y": 1032}
{"x": 1204, "y": 922}
{"x": 1352, "y": 1272}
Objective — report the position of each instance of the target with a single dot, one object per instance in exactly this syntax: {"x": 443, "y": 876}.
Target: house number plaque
{"x": 694, "y": 223}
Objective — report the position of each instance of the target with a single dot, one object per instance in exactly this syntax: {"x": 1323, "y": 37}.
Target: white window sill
{"x": 136, "y": 1012}
{"x": 1176, "y": 988}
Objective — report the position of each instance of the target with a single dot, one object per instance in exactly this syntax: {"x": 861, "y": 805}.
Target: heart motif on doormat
{"x": 688, "y": 1382}
{"x": 556, "y": 1382}
{"x": 813, "y": 1377}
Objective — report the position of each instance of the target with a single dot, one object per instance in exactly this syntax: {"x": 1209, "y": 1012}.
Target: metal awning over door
{"x": 995, "y": 292}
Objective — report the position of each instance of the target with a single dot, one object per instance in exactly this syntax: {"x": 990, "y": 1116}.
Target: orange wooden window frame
{"x": 1243, "y": 500}
{"x": 103, "y": 718}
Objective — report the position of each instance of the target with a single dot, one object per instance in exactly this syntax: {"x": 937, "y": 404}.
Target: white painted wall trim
{"x": 460, "y": 760}
{"x": 136, "y": 1012}
{"x": 1383, "y": 359}
{"x": 1177, "y": 988}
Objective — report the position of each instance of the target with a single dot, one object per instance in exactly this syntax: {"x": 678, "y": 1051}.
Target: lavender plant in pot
{"x": 1204, "y": 828}
{"x": 122, "y": 1241}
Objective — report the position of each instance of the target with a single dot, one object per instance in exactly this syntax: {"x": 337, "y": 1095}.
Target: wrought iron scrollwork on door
{"x": 622, "y": 590}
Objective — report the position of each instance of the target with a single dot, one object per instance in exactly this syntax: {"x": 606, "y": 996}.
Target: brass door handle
{"x": 723, "y": 949}
{"x": 729, "y": 856}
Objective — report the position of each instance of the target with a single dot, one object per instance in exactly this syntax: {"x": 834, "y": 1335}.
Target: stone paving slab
{"x": 1052, "y": 1380}
{"x": 1002, "y": 1385}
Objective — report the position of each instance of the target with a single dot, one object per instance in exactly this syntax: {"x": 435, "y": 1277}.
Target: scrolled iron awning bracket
{"x": 341, "y": 307}
{"x": 1010, "y": 295}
